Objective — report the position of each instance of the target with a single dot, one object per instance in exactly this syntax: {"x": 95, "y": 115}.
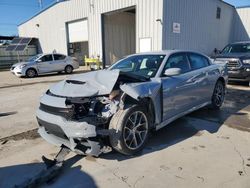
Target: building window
{"x": 218, "y": 12}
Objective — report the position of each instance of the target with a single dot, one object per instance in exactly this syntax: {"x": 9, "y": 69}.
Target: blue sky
{"x": 13, "y": 12}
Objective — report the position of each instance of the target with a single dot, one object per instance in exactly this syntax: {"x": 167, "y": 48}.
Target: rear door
{"x": 45, "y": 64}
{"x": 59, "y": 62}
{"x": 179, "y": 92}
{"x": 200, "y": 68}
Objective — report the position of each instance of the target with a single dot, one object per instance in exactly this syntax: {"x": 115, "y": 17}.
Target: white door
{"x": 78, "y": 31}
{"x": 59, "y": 62}
{"x": 45, "y": 64}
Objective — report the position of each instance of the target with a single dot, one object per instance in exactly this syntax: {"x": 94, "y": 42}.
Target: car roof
{"x": 51, "y": 54}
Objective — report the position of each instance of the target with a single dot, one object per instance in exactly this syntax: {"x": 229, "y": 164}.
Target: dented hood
{"x": 88, "y": 84}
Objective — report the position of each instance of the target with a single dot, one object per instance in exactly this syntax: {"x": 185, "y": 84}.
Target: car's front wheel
{"x": 218, "y": 95}
{"x": 31, "y": 73}
{"x": 129, "y": 130}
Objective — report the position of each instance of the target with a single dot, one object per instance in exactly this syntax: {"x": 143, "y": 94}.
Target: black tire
{"x": 31, "y": 73}
{"x": 129, "y": 129}
{"x": 218, "y": 95}
{"x": 68, "y": 69}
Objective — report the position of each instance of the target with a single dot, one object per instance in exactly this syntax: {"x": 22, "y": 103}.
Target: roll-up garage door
{"x": 78, "y": 31}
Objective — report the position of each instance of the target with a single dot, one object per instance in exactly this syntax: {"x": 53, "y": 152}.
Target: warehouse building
{"x": 111, "y": 29}
{"x": 241, "y": 30}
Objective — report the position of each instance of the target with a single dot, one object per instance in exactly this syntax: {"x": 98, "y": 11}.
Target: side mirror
{"x": 39, "y": 61}
{"x": 172, "y": 72}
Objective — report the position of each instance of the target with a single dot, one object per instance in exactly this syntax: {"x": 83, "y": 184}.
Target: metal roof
{"x": 48, "y": 7}
{"x": 246, "y": 6}
{"x": 61, "y": 1}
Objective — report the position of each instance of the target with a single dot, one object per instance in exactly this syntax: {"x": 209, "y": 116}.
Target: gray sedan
{"x": 118, "y": 107}
{"x": 45, "y": 63}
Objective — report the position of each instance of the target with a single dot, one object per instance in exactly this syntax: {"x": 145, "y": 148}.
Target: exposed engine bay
{"x": 96, "y": 111}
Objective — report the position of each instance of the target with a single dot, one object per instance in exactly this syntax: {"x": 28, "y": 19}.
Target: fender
{"x": 152, "y": 90}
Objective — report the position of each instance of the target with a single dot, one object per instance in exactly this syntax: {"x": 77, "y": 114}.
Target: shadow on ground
{"x": 234, "y": 113}
{"x": 60, "y": 74}
{"x": 12, "y": 176}
{"x": 231, "y": 114}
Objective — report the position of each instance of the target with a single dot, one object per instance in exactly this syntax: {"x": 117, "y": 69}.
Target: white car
{"x": 45, "y": 63}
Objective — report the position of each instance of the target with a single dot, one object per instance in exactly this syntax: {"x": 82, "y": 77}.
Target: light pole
{"x": 40, "y": 4}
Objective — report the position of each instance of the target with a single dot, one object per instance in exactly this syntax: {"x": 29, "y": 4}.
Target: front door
{"x": 179, "y": 92}
{"x": 45, "y": 64}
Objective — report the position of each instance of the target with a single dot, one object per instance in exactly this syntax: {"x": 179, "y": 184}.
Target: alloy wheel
{"x": 135, "y": 130}
{"x": 219, "y": 94}
{"x": 31, "y": 73}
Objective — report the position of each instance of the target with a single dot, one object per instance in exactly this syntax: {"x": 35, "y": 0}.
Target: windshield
{"x": 141, "y": 65}
{"x": 33, "y": 58}
{"x": 236, "y": 48}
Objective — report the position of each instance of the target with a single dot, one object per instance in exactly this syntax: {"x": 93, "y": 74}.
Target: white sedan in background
{"x": 45, "y": 63}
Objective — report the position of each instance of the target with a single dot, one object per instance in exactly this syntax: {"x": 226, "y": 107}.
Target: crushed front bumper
{"x": 78, "y": 136}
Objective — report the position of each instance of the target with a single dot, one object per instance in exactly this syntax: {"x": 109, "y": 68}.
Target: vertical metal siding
{"x": 52, "y": 30}
{"x": 242, "y": 24}
{"x": 200, "y": 30}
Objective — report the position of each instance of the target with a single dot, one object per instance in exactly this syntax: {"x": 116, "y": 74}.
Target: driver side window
{"x": 180, "y": 61}
{"x": 46, "y": 58}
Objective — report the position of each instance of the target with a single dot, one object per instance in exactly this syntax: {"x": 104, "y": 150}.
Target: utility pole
{"x": 40, "y": 4}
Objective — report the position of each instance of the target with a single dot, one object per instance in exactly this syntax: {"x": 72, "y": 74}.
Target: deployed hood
{"x": 88, "y": 84}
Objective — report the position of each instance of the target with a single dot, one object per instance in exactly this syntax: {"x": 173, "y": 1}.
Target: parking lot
{"x": 203, "y": 149}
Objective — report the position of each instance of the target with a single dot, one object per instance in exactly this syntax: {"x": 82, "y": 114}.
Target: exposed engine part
{"x": 114, "y": 94}
{"x": 95, "y": 111}
{"x": 110, "y": 108}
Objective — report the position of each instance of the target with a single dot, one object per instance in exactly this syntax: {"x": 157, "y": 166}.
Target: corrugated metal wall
{"x": 52, "y": 22}
{"x": 119, "y": 32}
{"x": 199, "y": 30}
{"x": 242, "y": 24}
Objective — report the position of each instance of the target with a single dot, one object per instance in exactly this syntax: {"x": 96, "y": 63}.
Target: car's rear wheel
{"x": 129, "y": 130}
{"x": 68, "y": 69}
{"x": 31, "y": 73}
{"x": 218, "y": 95}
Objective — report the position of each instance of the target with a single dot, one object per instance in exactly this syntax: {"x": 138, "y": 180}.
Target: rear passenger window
{"x": 178, "y": 61}
{"x": 198, "y": 61}
{"x": 59, "y": 57}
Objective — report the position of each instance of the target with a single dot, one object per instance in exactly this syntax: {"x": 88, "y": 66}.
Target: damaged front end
{"x": 81, "y": 124}
{"x": 76, "y": 112}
